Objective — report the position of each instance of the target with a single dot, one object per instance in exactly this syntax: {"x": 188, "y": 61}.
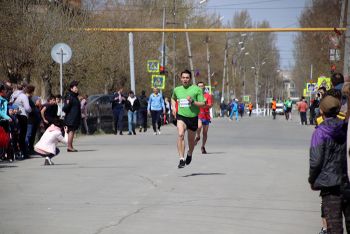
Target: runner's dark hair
{"x": 187, "y": 72}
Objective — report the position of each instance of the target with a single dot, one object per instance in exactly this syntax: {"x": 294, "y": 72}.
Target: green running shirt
{"x": 185, "y": 108}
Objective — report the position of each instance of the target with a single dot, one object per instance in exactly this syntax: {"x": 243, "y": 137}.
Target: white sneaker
{"x": 155, "y": 133}
{"x": 158, "y": 133}
{"x": 48, "y": 161}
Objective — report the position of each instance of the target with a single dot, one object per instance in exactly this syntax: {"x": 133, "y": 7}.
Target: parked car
{"x": 100, "y": 115}
{"x": 260, "y": 111}
{"x": 280, "y": 108}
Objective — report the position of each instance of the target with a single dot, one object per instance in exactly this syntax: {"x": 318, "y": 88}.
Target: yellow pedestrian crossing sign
{"x": 158, "y": 81}
{"x": 153, "y": 66}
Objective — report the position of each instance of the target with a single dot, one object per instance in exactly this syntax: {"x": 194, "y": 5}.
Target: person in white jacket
{"x": 47, "y": 145}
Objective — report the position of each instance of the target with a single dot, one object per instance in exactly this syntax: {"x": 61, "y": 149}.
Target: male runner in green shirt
{"x": 189, "y": 98}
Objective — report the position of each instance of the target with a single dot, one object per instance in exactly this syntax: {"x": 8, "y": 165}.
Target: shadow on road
{"x": 7, "y": 166}
{"x": 216, "y": 153}
{"x": 88, "y": 150}
{"x": 65, "y": 164}
{"x": 203, "y": 174}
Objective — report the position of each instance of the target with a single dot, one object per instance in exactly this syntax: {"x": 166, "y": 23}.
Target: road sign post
{"x": 61, "y": 53}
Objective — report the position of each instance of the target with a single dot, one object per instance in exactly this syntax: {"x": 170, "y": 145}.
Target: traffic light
{"x": 162, "y": 70}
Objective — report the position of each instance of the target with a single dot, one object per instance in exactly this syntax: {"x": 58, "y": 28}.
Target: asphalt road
{"x": 253, "y": 180}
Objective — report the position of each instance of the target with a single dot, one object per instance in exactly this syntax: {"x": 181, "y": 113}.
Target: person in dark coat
{"x": 328, "y": 165}
{"x": 142, "y": 115}
{"x": 73, "y": 113}
{"x": 118, "y": 103}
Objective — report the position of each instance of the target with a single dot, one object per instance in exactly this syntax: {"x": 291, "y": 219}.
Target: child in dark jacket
{"x": 328, "y": 165}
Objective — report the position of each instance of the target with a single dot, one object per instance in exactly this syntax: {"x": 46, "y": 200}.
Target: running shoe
{"x": 188, "y": 159}
{"x": 181, "y": 163}
{"x": 323, "y": 231}
{"x": 158, "y": 133}
{"x": 203, "y": 150}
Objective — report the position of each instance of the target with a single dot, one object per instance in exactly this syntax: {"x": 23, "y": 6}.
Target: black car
{"x": 100, "y": 115}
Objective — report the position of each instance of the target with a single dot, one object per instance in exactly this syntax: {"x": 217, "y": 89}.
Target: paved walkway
{"x": 254, "y": 180}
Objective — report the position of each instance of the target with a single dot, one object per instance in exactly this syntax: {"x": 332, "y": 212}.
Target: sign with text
{"x": 158, "y": 81}
{"x": 153, "y": 66}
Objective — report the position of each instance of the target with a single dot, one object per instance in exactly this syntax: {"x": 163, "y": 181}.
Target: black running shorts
{"x": 191, "y": 123}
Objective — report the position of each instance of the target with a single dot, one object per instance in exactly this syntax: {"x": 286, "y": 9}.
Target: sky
{"x": 279, "y": 13}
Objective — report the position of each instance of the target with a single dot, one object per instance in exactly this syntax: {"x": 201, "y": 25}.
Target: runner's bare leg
{"x": 181, "y": 129}
{"x": 205, "y": 135}
{"x": 190, "y": 137}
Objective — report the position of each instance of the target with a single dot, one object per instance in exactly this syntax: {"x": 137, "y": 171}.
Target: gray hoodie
{"x": 21, "y": 100}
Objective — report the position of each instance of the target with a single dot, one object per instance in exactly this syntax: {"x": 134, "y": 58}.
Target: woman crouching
{"x": 47, "y": 145}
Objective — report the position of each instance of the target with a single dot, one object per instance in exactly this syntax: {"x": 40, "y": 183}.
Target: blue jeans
{"x": 132, "y": 118}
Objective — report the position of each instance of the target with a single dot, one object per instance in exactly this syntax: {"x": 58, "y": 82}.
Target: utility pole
{"x": 208, "y": 60}
{"x": 163, "y": 40}
{"x": 224, "y": 73}
{"x": 347, "y": 44}
{"x": 132, "y": 68}
{"x": 190, "y": 55}
{"x": 311, "y": 68}
{"x": 174, "y": 48}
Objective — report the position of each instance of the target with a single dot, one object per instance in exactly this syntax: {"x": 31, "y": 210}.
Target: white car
{"x": 280, "y": 108}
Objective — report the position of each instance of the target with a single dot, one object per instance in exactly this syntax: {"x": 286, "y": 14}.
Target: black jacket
{"x": 134, "y": 107}
{"x": 116, "y": 103}
{"x": 143, "y": 102}
{"x": 72, "y": 109}
{"x": 328, "y": 165}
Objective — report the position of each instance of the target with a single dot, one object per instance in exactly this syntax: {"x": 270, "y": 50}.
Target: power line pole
{"x": 174, "y": 48}
{"x": 347, "y": 44}
{"x": 163, "y": 40}
{"x": 224, "y": 73}
{"x": 190, "y": 55}
{"x": 208, "y": 60}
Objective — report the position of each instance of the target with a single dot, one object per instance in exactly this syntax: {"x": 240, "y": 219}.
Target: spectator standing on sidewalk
{"x": 328, "y": 165}
{"x": 72, "y": 112}
{"x": 302, "y": 108}
{"x": 84, "y": 114}
{"x": 223, "y": 109}
{"x": 132, "y": 105}
{"x": 155, "y": 108}
{"x": 49, "y": 111}
{"x": 118, "y": 103}
{"x": 21, "y": 98}
{"x": 142, "y": 115}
